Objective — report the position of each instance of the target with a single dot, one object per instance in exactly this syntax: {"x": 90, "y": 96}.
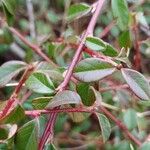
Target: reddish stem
{"x": 107, "y": 29}
{"x": 58, "y": 110}
{"x": 137, "y": 57}
{"x": 67, "y": 78}
{"x": 35, "y": 48}
{"x": 86, "y": 110}
{"x": 23, "y": 79}
{"x": 13, "y": 99}
{"x": 88, "y": 32}
{"x": 120, "y": 125}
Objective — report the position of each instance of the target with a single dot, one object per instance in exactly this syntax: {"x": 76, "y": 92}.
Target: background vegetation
{"x": 53, "y": 96}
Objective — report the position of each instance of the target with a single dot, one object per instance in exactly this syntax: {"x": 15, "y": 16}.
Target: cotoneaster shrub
{"x": 82, "y": 77}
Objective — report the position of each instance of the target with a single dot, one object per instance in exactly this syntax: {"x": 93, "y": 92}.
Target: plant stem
{"x": 120, "y": 125}
{"x": 12, "y": 98}
{"x": 35, "y": 48}
{"x": 67, "y": 78}
{"x": 137, "y": 57}
{"x": 58, "y": 110}
{"x": 24, "y": 77}
{"x": 86, "y": 110}
{"x": 107, "y": 29}
{"x": 88, "y": 32}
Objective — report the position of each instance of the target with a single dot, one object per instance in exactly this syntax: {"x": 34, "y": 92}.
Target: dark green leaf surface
{"x": 9, "y": 70}
{"x": 16, "y": 115}
{"x": 92, "y": 69}
{"x": 40, "y": 83}
{"x": 137, "y": 82}
{"x": 97, "y": 44}
{"x": 77, "y": 10}
{"x": 64, "y": 97}
{"x": 86, "y": 93}
{"x": 105, "y": 126}
{"x": 40, "y": 102}
{"x": 27, "y": 136}
{"x": 125, "y": 40}
{"x": 50, "y": 147}
{"x": 10, "y": 5}
{"x": 120, "y": 11}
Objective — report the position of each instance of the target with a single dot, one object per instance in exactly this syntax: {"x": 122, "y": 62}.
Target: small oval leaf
{"x": 9, "y": 70}
{"x": 16, "y": 115}
{"x": 86, "y": 93}
{"x": 120, "y": 11}
{"x": 64, "y": 97}
{"x": 95, "y": 43}
{"x": 77, "y": 10}
{"x": 40, "y": 83}
{"x": 92, "y": 69}
{"x": 137, "y": 82}
{"x": 27, "y": 136}
{"x": 105, "y": 126}
{"x": 98, "y": 44}
{"x": 40, "y": 102}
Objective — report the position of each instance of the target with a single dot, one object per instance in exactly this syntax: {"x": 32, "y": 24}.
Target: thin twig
{"x": 12, "y": 100}
{"x": 35, "y": 48}
{"x": 120, "y": 125}
{"x": 88, "y": 32}
{"x": 107, "y": 29}
{"x": 137, "y": 57}
{"x": 67, "y": 78}
{"x": 88, "y": 110}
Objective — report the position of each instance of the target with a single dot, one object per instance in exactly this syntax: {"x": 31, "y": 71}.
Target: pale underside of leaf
{"x": 95, "y": 75}
{"x": 137, "y": 82}
{"x": 92, "y": 69}
{"x": 105, "y": 126}
{"x": 64, "y": 97}
{"x": 9, "y": 70}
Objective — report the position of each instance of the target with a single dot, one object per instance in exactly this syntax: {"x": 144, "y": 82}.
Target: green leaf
{"x": 10, "y": 5}
{"x": 110, "y": 51}
{"x": 125, "y": 40}
{"x": 145, "y": 146}
{"x": 92, "y": 69}
{"x": 16, "y": 115}
{"x": 9, "y": 70}
{"x": 105, "y": 126}
{"x": 40, "y": 102}
{"x": 50, "y": 147}
{"x": 97, "y": 44}
{"x": 120, "y": 11}
{"x": 5, "y": 36}
{"x": 130, "y": 119}
{"x": 86, "y": 93}
{"x": 64, "y": 97}
{"x": 7, "y": 132}
{"x": 137, "y": 82}
{"x": 27, "y": 136}
{"x": 40, "y": 83}
{"x": 77, "y": 10}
